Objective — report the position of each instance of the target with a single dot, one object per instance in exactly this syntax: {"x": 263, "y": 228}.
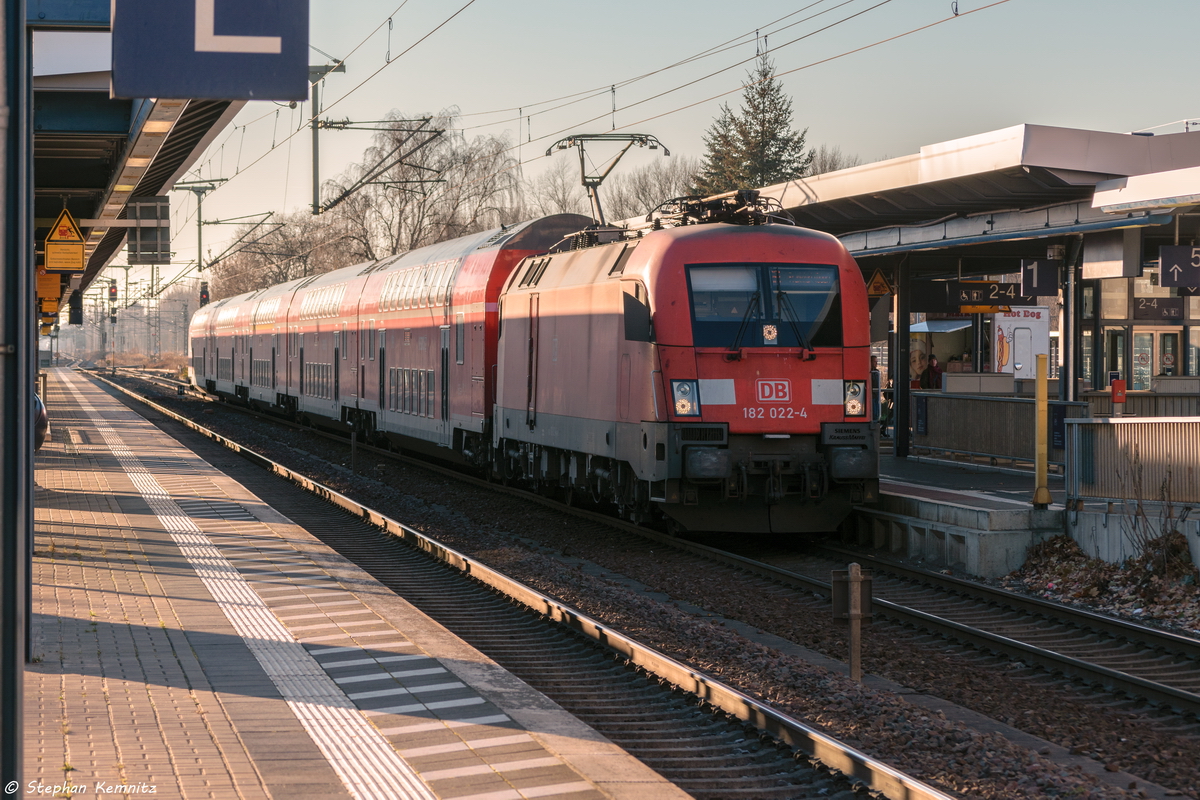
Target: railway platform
{"x": 960, "y": 515}
{"x": 191, "y": 641}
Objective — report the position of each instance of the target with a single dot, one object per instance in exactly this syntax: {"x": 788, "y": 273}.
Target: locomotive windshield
{"x": 765, "y": 305}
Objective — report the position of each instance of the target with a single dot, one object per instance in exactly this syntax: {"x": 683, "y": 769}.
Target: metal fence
{"x": 1138, "y": 404}
{"x": 981, "y": 425}
{"x": 1155, "y": 459}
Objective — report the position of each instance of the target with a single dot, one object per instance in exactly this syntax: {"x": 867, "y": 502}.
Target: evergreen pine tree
{"x": 757, "y": 147}
{"x": 721, "y": 169}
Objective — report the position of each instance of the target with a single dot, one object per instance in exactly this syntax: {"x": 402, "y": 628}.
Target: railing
{"x": 1146, "y": 404}
{"x": 1152, "y": 459}
{"x": 996, "y": 427}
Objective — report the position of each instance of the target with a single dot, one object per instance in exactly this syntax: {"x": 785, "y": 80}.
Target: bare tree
{"x": 444, "y": 186}
{"x": 830, "y": 158}
{"x": 292, "y": 246}
{"x": 558, "y": 190}
{"x": 640, "y": 191}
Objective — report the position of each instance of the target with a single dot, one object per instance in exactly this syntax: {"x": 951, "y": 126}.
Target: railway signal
{"x": 112, "y": 290}
{"x": 203, "y": 293}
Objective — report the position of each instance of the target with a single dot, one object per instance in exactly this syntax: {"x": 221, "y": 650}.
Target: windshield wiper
{"x": 785, "y": 303}
{"x": 750, "y": 309}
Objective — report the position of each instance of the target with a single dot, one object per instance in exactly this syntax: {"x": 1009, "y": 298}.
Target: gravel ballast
{"x": 490, "y": 527}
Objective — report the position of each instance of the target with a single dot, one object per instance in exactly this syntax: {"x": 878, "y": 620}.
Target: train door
{"x": 274, "y": 347}
{"x": 337, "y": 364}
{"x": 382, "y": 368}
{"x": 301, "y": 352}
{"x": 532, "y": 364}
{"x": 445, "y": 379}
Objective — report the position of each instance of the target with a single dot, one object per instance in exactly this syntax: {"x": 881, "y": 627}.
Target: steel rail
{"x": 1037, "y": 606}
{"x": 872, "y": 772}
{"x": 1180, "y": 700}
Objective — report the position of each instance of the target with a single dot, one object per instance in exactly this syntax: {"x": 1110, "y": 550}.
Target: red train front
{"x": 718, "y": 372}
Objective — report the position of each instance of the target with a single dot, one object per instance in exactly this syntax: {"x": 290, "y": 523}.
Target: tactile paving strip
{"x": 329, "y": 653}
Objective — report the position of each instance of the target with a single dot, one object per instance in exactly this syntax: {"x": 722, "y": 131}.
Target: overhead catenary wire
{"x": 639, "y": 123}
{"x": 714, "y": 50}
{"x": 471, "y": 2}
{"x": 563, "y": 131}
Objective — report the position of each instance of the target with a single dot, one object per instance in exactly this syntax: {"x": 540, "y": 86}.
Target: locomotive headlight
{"x": 686, "y": 395}
{"x": 855, "y": 393}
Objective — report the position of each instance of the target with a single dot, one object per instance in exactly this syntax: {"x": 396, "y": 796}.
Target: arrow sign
{"x": 1180, "y": 266}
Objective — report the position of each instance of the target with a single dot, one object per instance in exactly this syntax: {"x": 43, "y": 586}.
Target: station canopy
{"x": 995, "y": 196}
{"x": 92, "y": 153}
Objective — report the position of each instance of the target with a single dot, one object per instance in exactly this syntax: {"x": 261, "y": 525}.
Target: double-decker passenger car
{"x": 711, "y": 366}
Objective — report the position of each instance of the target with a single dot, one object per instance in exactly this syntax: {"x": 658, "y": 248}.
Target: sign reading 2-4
{"x": 210, "y": 49}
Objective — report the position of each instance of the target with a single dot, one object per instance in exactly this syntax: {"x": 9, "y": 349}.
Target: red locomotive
{"x": 712, "y": 366}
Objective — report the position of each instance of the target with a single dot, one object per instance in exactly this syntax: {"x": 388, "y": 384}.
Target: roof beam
{"x": 80, "y": 112}
{"x": 72, "y": 15}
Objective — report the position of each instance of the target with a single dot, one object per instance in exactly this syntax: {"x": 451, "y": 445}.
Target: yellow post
{"x": 1041, "y": 432}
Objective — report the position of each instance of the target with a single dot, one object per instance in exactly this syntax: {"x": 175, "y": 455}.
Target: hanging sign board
{"x": 978, "y": 293}
{"x": 1179, "y": 266}
{"x": 1158, "y": 308}
{"x": 210, "y": 49}
{"x": 64, "y": 245}
{"x": 1039, "y": 278}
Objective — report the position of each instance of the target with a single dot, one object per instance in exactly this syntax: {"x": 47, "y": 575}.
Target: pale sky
{"x": 1098, "y": 64}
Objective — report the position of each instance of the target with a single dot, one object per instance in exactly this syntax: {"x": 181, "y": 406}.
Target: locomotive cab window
{"x": 765, "y": 305}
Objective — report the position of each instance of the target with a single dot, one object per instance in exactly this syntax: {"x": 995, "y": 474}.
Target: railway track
{"x": 726, "y": 745}
{"x": 1157, "y": 666}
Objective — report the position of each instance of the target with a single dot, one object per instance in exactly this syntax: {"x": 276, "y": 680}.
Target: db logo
{"x": 774, "y": 391}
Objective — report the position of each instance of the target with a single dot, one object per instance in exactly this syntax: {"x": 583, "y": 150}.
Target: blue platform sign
{"x": 210, "y": 49}
{"x": 1179, "y": 266}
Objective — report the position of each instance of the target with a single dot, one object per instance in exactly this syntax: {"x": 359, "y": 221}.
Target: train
{"x": 708, "y": 368}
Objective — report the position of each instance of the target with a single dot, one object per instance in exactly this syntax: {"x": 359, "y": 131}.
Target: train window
{"x": 410, "y": 288}
{"x": 421, "y": 298}
{"x": 431, "y": 284}
{"x": 636, "y": 313}
{"x": 430, "y": 405}
{"x": 371, "y": 341}
{"x": 448, "y": 282}
{"x": 402, "y": 297}
{"x": 753, "y": 305}
{"x": 807, "y": 295}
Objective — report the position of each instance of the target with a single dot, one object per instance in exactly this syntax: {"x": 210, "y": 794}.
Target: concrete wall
{"x": 1111, "y": 536}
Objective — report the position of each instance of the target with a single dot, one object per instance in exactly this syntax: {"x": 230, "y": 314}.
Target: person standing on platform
{"x": 931, "y": 378}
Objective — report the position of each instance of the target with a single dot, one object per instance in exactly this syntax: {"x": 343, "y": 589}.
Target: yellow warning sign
{"x": 64, "y": 245}
{"x": 878, "y": 286}
{"x": 48, "y": 285}
{"x": 982, "y": 309}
